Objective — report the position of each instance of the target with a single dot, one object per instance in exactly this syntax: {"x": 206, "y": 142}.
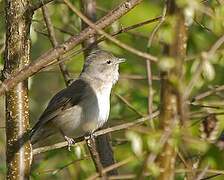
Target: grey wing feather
{"x": 64, "y": 99}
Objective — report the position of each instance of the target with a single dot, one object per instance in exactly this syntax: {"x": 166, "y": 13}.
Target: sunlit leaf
{"x": 136, "y": 142}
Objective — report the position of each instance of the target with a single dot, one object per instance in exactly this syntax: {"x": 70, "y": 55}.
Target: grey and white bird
{"x": 84, "y": 106}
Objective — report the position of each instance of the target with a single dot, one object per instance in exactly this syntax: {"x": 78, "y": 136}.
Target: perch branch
{"x": 97, "y": 133}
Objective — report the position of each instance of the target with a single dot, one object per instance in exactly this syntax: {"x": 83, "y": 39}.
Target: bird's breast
{"x": 103, "y": 98}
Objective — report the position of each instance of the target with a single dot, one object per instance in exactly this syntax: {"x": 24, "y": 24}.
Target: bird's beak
{"x": 121, "y": 60}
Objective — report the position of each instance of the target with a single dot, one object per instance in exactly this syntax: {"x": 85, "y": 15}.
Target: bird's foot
{"x": 70, "y": 142}
{"x": 89, "y": 138}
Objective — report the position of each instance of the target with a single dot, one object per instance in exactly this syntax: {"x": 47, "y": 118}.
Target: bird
{"x": 82, "y": 107}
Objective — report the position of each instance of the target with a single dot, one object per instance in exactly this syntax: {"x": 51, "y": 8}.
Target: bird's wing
{"x": 65, "y": 99}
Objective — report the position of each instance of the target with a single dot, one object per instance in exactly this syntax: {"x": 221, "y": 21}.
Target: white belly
{"x": 104, "y": 107}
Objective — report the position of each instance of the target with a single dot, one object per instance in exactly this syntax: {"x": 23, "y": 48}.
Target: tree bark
{"x": 173, "y": 107}
{"x": 17, "y": 52}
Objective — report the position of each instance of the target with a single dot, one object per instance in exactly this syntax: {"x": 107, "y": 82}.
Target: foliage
{"x": 205, "y": 26}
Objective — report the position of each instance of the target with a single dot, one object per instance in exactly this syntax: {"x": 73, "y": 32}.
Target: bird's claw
{"x": 89, "y": 138}
{"x": 70, "y": 142}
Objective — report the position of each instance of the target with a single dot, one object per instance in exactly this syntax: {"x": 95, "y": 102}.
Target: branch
{"x": 150, "y": 89}
{"x": 53, "y": 54}
{"x": 17, "y": 55}
{"x": 148, "y": 63}
{"x": 205, "y": 56}
{"x": 202, "y": 173}
{"x": 126, "y": 29}
{"x": 173, "y": 107}
{"x": 98, "y": 133}
{"x": 54, "y": 42}
{"x": 55, "y": 171}
{"x": 208, "y": 93}
{"x": 100, "y": 31}
{"x": 91, "y": 143}
{"x": 125, "y": 101}
{"x": 39, "y": 4}
{"x": 112, "y": 167}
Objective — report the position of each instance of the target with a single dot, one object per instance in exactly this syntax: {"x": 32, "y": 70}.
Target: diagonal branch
{"x": 115, "y": 41}
{"x": 54, "y": 42}
{"x": 53, "y": 54}
{"x": 39, "y": 4}
{"x": 98, "y": 133}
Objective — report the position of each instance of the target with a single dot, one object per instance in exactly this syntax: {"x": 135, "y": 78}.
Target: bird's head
{"x": 102, "y": 65}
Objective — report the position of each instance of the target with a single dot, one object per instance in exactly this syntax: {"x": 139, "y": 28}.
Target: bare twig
{"x": 148, "y": 64}
{"x": 55, "y": 171}
{"x": 39, "y": 4}
{"x": 113, "y": 166}
{"x": 212, "y": 176}
{"x": 202, "y": 173}
{"x": 140, "y": 174}
{"x": 91, "y": 143}
{"x": 194, "y": 80}
{"x": 152, "y": 156}
{"x": 133, "y": 176}
{"x": 216, "y": 46}
{"x": 54, "y": 43}
{"x": 208, "y": 93}
{"x": 100, "y": 31}
{"x": 205, "y": 57}
{"x": 123, "y": 30}
{"x": 128, "y": 104}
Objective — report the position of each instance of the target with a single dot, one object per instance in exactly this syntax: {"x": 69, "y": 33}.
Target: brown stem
{"x": 39, "y": 4}
{"x": 52, "y": 54}
{"x": 54, "y": 42}
{"x": 108, "y": 36}
{"x": 172, "y": 104}
{"x": 89, "y": 9}
{"x": 91, "y": 143}
{"x": 17, "y": 56}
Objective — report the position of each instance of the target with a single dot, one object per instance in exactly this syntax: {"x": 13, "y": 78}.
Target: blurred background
{"x": 206, "y": 25}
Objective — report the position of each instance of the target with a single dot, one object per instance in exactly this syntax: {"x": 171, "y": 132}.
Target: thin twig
{"x": 91, "y": 143}
{"x": 194, "y": 80}
{"x": 133, "y": 176}
{"x": 205, "y": 56}
{"x": 148, "y": 64}
{"x": 108, "y": 36}
{"x": 39, "y": 4}
{"x": 128, "y": 104}
{"x": 208, "y": 93}
{"x": 111, "y": 167}
{"x": 55, "y": 171}
{"x": 212, "y": 176}
{"x": 202, "y": 173}
{"x": 54, "y": 43}
{"x": 123, "y": 30}
{"x": 216, "y": 46}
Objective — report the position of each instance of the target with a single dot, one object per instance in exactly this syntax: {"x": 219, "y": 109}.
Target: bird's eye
{"x": 109, "y": 62}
